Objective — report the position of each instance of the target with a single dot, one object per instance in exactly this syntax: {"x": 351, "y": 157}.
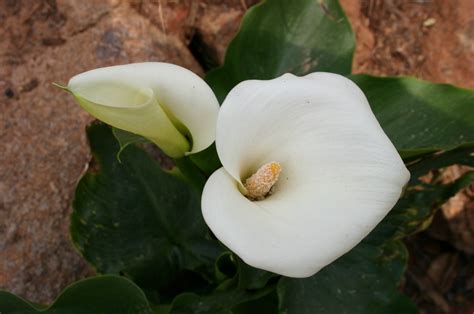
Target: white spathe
{"x": 340, "y": 173}
{"x": 160, "y": 101}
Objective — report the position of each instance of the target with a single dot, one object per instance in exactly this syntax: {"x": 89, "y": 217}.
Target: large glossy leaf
{"x": 362, "y": 281}
{"x": 133, "y": 218}
{"x": 280, "y": 36}
{"x": 252, "y": 278}
{"x": 218, "y": 302}
{"x": 421, "y": 119}
{"x": 414, "y": 210}
{"x": 230, "y": 266}
{"x": 104, "y": 294}
{"x": 459, "y": 156}
{"x": 418, "y": 116}
{"x": 125, "y": 138}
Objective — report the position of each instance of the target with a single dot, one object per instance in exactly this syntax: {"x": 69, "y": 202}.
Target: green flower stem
{"x": 191, "y": 172}
{"x": 207, "y": 160}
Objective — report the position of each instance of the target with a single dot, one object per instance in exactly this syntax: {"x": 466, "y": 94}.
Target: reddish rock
{"x": 433, "y": 40}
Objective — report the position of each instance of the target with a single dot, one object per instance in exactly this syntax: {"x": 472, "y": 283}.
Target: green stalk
{"x": 191, "y": 172}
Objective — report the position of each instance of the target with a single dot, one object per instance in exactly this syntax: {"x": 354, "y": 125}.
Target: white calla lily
{"x": 338, "y": 173}
{"x": 168, "y": 104}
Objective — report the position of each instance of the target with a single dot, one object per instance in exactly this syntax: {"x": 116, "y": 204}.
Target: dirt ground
{"x": 44, "y": 151}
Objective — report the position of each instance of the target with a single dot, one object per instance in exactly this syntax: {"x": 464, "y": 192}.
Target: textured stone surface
{"x": 433, "y": 40}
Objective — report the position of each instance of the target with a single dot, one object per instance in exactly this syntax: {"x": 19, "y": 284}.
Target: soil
{"x": 44, "y": 149}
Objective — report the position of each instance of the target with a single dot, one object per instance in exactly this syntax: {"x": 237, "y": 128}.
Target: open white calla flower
{"x": 307, "y": 172}
{"x": 168, "y": 104}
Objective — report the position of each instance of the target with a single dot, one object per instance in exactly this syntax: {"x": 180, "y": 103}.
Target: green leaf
{"x": 420, "y": 117}
{"x": 225, "y": 267}
{"x": 460, "y": 156}
{"x": 133, "y": 218}
{"x": 219, "y": 302}
{"x": 251, "y": 277}
{"x": 414, "y": 210}
{"x": 401, "y": 304}
{"x": 362, "y": 281}
{"x": 281, "y": 36}
{"x": 230, "y": 266}
{"x": 103, "y": 294}
{"x": 265, "y": 305}
{"x": 126, "y": 138}
{"x": 243, "y": 289}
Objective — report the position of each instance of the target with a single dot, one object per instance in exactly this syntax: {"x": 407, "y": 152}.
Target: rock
{"x": 392, "y": 40}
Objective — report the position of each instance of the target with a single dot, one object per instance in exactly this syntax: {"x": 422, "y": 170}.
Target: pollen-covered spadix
{"x": 340, "y": 174}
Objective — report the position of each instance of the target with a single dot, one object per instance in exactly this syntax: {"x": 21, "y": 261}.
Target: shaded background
{"x": 43, "y": 149}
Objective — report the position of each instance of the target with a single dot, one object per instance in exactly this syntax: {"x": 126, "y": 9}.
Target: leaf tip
{"x": 60, "y": 86}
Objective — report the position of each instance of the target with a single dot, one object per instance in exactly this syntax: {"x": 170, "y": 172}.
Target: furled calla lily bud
{"x": 307, "y": 172}
{"x": 168, "y": 104}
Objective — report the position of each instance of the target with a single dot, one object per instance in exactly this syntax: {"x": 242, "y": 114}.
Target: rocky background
{"x": 43, "y": 149}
